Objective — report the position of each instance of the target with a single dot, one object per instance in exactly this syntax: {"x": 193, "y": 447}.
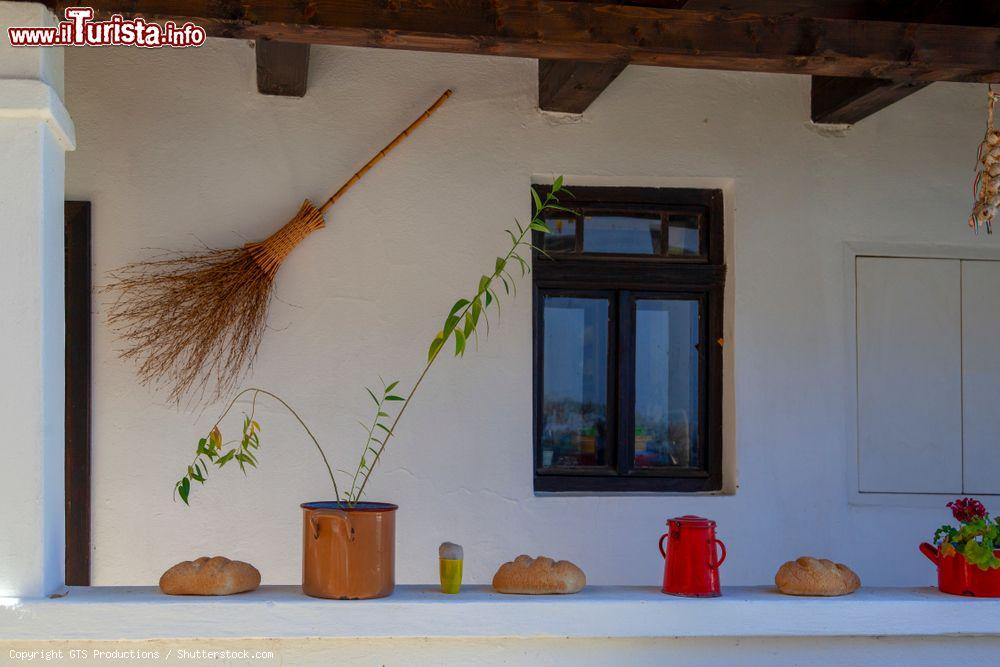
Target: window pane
{"x": 575, "y": 375}
{"x": 666, "y": 383}
{"x": 563, "y": 236}
{"x": 633, "y": 234}
{"x": 683, "y": 236}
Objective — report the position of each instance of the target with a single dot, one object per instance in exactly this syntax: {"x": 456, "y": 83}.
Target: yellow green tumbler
{"x": 450, "y": 556}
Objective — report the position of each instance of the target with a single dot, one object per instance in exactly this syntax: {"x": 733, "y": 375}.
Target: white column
{"x": 35, "y": 133}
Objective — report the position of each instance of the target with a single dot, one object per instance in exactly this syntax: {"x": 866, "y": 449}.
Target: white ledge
{"x": 111, "y": 613}
{"x": 33, "y": 99}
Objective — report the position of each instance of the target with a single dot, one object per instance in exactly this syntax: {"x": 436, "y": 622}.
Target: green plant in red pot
{"x": 967, "y": 557}
{"x": 348, "y": 543}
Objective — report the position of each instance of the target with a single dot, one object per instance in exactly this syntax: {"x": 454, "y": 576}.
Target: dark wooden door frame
{"x": 78, "y": 377}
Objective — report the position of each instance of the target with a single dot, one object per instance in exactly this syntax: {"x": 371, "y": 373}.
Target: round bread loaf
{"x": 816, "y": 576}
{"x": 210, "y": 576}
{"x": 539, "y": 576}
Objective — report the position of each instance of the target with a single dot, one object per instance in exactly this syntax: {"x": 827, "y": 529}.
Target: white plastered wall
{"x": 35, "y": 131}
{"x": 177, "y": 148}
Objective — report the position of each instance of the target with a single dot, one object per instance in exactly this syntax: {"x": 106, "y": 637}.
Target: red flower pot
{"x": 958, "y": 576}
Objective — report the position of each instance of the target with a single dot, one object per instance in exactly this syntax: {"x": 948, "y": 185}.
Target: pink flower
{"x": 967, "y": 509}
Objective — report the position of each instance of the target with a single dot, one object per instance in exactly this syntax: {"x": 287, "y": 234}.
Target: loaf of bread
{"x": 210, "y": 576}
{"x": 815, "y": 576}
{"x": 539, "y": 576}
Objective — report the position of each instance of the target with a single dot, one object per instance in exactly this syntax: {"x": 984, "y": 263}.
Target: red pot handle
{"x": 721, "y": 560}
{"x": 663, "y": 537}
{"x": 931, "y": 552}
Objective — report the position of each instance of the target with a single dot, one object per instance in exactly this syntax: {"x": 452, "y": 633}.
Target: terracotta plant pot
{"x": 958, "y": 576}
{"x": 348, "y": 553}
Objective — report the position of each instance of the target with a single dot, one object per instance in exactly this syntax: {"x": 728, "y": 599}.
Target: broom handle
{"x": 382, "y": 153}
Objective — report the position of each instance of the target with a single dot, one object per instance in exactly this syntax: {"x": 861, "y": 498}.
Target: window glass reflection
{"x": 666, "y": 383}
{"x": 575, "y": 378}
{"x": 636, "y": 235}
{"x": 683, "y": 234}
{"x": 563, "y": 235}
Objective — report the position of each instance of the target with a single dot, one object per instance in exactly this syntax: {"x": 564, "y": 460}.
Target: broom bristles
{"x": 194, "y": 323}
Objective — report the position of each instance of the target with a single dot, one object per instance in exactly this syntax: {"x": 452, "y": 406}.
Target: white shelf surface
{"x": 110, "y": 613}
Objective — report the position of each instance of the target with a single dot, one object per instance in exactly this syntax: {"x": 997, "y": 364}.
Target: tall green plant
{"x": 461, "y": 325}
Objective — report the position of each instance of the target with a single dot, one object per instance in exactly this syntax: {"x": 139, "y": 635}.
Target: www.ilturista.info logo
{"x": 79, "y": 29}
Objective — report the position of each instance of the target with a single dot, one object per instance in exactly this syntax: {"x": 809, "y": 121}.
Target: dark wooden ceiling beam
{"x": 282, "y": 68}
{"x": 595, "y": 32}
{"x": 571, "y": 86}
{"x": 849, "y": 100}
{"x": 950, "y": 12}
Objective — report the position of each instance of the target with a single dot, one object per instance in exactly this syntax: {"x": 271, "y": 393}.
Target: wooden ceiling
{"x": 862, "y": 55}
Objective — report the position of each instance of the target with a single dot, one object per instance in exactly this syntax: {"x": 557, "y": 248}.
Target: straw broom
{"x": 194, "y": 322}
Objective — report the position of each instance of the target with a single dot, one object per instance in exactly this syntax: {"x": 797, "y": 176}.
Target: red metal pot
{"x": 958, "y": 576}
{"x": 692, "y": 561}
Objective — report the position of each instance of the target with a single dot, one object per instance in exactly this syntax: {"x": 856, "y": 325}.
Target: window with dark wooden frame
{"x": 628, "y": 342}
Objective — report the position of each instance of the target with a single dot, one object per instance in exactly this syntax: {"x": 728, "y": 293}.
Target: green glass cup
{"x": 451, "y": 575}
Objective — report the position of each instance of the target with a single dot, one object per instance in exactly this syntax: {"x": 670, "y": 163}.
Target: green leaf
{"x": 183, "y": 489}
{"x": 383, "y": 427}
{"x": 557, "y": 184}
{"x": 393, "y": 397}
{"x": 500, "y": 264}
{"x": 489, "y": 299}
{"x": 461, "y": 303}
{"x": 435, "y": 345}
{"x": 391, "y": 387}
{"x": 459, "y": 343}
{"x": 513, "y": 283}
{"x": 981, "y": 555}
{"x": 537, "y": 200}
{"x": 484, "y": 283}
{"x": 470, "y": 326}
{"x": 372, "y": 394}
{"x": 540, "y": 226}
{"x": 558, "y": 207}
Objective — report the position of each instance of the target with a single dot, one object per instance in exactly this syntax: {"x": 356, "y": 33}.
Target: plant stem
{"x": 392, "y": 429}
{"x": 351, "y": 498}
{"x": 257, "y": 391}
{"x": 430, "y": 361}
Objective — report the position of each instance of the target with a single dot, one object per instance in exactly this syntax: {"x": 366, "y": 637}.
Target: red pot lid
{"x": 693, "y": 521}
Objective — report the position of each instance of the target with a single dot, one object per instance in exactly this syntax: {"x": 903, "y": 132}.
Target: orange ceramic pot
{"x": 348, "y": 553}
